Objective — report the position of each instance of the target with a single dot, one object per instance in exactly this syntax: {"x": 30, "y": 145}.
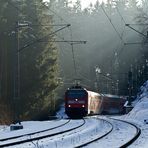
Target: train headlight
{"x": 76, "y": 99}
{"x": 83, "y": 105}
{"x": 69, "y": 105}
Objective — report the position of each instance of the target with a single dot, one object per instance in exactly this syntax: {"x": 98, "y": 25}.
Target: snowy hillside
{"x": 139, "y": 115}
{"x": 140, "y": 110}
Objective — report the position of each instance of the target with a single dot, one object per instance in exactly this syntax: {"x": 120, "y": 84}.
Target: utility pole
{"x": 130, "y": 86}
{"x": 16, "y": 90}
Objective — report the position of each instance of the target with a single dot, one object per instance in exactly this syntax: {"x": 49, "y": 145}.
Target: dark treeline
{"x": 37, "y": 61}
{"x": 112, "y": 60}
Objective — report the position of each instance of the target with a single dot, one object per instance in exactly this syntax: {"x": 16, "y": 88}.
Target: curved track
{"x": 118, "y": 137}
{"x": 134, "y": 138}
{"x": 79, "y": 137}
{"x": 99, "y": 136}
{"x": 45, "y": 134}
{"x": 33, "y": 133}
{"x": 88, "y": 132}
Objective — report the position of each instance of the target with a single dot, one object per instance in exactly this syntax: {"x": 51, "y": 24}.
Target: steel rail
{"x": 128, "y": 143}
{"x": 99, "y": 137}
{"x": 138, "y": 132}
{"x": 41, "y": 137}
{"x": 33, "y": 133}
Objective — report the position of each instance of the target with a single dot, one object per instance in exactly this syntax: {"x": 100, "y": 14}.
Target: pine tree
{"x": 38, "y": 61}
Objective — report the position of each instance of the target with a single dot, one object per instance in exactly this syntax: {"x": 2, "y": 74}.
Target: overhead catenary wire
{"x": 135, "y": 43}
{"x": 65, "y": 41}
{"x": 112, "y": 23}
{"x": 121, "y": 15}
{"x": 140, "y": 24}
{"x": 30, "y": 15}
{"x": 70, "y": 42}
{"x": 44, "y": 37}
{"x": 117, "y": 50}
{"x": 19, "y": 10}
{"x": 73, "y": 55}
{"x": 122, "y": 44}
{"x": 67, "y": 24}
{"x": 34, "y": 25}
{"x": 32, "y": 18}
{"x": 128, "y": 25}
{"x": 39, "y": 24}
{"x": 57, "y": 15}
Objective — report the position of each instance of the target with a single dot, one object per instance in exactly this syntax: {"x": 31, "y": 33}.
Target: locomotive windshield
{"x": 72, "y": 94}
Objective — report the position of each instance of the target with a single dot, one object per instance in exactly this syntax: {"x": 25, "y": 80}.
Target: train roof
{"x": 112, "y": 96}
{"x": 76, "y": 87}
{"x": 105, "y": 95}
{"x": 94, "y": 93}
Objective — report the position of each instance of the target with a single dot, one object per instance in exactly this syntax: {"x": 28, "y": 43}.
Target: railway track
{"x": 134, "y": 138}
{"x": 33, "y": 133}
{"x": 103, "y": 141}
{"x": 98, "y": 136}
{"x": 39, "y": 135}
{"x": 103, "y": 133}
{"x": 80, "y": 137}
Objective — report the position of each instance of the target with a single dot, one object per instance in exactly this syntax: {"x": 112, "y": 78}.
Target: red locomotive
{"x": 80, "y": 102}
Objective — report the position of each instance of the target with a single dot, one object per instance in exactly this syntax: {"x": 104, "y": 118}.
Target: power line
{"x": 122, "y": 34}
{"x": 48, "y": 25}
{"x": 128, "y": 25}
{"x": 74, "y": 42}
{"x": 140, "y": 24}
{"x": 30, "y": 15}
{"x": 56, "y": 14}
{"x": 120, "y": 15}
{"x": 73, "y": 55}
{"x": 19, "y": 10}
{"x": 40, "y": 39}
{"x": 119, "y": 46}
{"x": 71, "y": 42}
{"x": 136, "y": 43}
{"x": 66, "y": 41}
{"x": 112, "y": 23}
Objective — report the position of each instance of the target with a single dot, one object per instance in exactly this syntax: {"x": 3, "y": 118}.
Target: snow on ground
{"x": 3, "y": 127}
{"x": 30, "y": 127}
{"x": 79, "y": 136}
{"x": 121, "y": 133}
{"x": 61, "y": 113}
{"x": 139, "y": 115}
{"x": 140, "y": 111}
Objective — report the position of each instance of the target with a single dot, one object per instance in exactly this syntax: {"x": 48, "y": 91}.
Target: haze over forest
{"x": 108, "y": 45}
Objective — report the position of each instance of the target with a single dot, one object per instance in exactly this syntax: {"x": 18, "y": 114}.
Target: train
{"x": 80, "y": 102}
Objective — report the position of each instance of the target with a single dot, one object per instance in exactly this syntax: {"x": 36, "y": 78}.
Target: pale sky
{"x": 86, "y": 3}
